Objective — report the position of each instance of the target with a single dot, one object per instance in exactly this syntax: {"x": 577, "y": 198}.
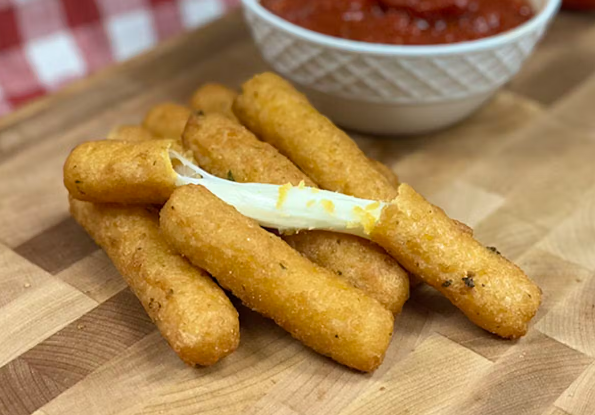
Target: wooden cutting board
{"x": 74, "y": 340}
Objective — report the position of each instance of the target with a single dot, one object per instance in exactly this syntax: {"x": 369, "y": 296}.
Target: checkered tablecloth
{"x": 44, "y": 44}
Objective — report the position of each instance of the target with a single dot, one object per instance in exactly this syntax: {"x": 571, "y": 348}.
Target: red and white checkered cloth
{"x": 47, "y": 43}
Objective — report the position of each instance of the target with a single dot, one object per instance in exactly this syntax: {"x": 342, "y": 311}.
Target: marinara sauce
{"x": 404, "y": 22}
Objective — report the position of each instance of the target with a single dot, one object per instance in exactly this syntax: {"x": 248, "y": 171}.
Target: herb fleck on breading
{"x": 446, "y": 284}
{"x": 282, "y": 266}
{"x": 468, "y": 280}
{"x": 494, "y": 250}
{"x": 230, "y": 176}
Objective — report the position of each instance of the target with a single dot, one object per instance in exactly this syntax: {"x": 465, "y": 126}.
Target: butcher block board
{"x": 74, "y": 340}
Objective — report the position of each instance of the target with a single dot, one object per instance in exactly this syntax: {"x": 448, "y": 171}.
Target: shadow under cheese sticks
{"x": 226, "y": 149}
{"x": 311, "y": 303}
{"x": 191, "y": 311}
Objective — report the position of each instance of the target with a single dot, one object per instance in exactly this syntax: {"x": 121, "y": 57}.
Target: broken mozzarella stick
{"x": 214, "y": 99}
{"x": 110, "y": 171}
{"x": 311, "y": 303}
{"x": 192, "y": 313}
{"x": 167, "y": 120}
{"x": 490, "y": 290}
{"x": 228, "y": 150}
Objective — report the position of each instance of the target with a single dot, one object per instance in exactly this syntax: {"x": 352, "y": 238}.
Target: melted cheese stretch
{"x": 287, "y": 208}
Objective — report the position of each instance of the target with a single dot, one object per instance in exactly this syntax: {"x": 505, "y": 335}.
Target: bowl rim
{"x": 537, "y": 21}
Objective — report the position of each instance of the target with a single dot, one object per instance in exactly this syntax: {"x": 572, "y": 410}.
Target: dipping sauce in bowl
{"x": 404, "y": 22}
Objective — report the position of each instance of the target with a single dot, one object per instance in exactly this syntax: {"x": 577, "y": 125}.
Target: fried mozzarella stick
{"x": 123, "y": 172}
{"x": 490, "y": 290}
{"x": 316, "y": 307}
{"x": 214, "y": 99}
{"x": 278, "y": 114}
{"x": 226, "y": 149}
{"x": 167, "y": 120}
{"x": 192, "y": 313}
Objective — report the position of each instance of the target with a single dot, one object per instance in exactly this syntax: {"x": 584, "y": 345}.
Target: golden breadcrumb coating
{"x": 492, "y": 292}
{"x": 214, "y": 98}
{"x": 192, "y": 313}
{"x": 315, "y": 306}
{"x": 110, "y": 171}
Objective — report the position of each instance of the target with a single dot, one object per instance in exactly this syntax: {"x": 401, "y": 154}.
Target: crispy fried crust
{"x": 492, "y": 292}
{"x": 387, "y": 172}
{"x": 311, "y": 303}
{"x": 281, "y": 116}
{"x": 192, "y": 313}
{"x": 214, "y": 98}
{"x": 121, "y": 172}
{"x": 227, "y": 149}
{"x": 362, "y": 264}
{"x": 167, "y": 120}
{"x": 394, "y": 181}
{"x": 130, "y": 133}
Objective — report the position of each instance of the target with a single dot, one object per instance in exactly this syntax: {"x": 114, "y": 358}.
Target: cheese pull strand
{"x": 286, "y": 208}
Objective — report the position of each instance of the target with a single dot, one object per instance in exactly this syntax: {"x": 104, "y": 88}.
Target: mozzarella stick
{"x": 316, "y": 307}
{"x": 228, "y": 150}
{"x": 214, "y": 98}
{"x": 167, "y": 120}
{"x": 111, "y": 171}
{"x": 130, "y": 133}
{"x": 192, "y": 313}
{"x": 492, "y": 292}
{"x": 278, "y": 114}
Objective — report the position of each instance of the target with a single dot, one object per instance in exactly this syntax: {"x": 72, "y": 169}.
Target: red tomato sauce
{"x": 404, "y": 22}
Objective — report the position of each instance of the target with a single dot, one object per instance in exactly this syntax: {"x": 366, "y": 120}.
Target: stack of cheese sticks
{"x": 345, "y": 239}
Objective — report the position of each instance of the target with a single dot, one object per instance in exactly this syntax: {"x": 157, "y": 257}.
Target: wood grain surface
{"x": 74, "y": 340}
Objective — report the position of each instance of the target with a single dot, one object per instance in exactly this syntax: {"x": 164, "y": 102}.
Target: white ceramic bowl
{"x": 389, "y": 89}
